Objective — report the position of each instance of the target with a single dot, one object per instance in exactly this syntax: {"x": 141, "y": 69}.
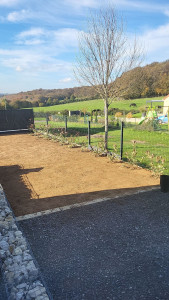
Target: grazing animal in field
{"x": 133, "y": 104}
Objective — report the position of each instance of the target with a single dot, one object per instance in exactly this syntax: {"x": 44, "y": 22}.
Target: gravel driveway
{"x": 117, "y": 249}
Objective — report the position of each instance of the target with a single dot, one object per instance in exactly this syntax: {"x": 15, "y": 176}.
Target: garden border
{"x": 19, "y": 269}
{"x": 75, "y": 205}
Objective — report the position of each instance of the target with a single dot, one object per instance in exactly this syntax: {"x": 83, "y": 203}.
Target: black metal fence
{"x": 145, "y": 144}
{"x": 21, "y": 119}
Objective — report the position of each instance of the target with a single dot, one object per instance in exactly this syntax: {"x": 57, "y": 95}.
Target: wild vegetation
{"x": 153, "y": 81}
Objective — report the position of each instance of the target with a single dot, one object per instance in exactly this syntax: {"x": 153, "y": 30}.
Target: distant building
{"x": 166, "y": 105}
{"x": 74, "y": 113}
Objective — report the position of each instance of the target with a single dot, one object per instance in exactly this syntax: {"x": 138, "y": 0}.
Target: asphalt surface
{"x": 3, "y": 295}
{"x": 117, "y": 249}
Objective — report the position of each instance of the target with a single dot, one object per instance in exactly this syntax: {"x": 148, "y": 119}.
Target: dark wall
{"x": 16, "y": 119}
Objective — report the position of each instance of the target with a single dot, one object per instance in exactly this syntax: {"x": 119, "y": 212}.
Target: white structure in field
{"x": 166, "y": 105}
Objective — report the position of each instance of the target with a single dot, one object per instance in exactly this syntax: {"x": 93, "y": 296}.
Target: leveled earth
{"x": 39, "y": 174}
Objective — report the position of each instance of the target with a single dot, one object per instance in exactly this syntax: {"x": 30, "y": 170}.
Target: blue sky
{"x": 38, "y": 38}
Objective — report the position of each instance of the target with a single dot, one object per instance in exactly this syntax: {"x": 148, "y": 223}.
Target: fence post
{"x": 89, "y": 134}
{"x": 65, "y": 123}
{"x": 47, "y": 119}
{"x": 121, "y": 145}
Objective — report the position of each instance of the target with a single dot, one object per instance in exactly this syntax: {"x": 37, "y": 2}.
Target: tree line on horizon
{"x": 149, "y": 81}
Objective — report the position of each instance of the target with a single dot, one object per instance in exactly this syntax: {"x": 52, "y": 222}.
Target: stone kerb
{"x": 21, "y": 276}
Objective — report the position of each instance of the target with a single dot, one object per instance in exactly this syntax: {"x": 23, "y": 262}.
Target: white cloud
{"x": 157, "y": 38}
{"x": 54, "y": 11}
{"x": 18, "y": 69}
{"x": 58, "y": 40}
{"x": 68, "y": 79}
{"x": 66, "y": 37}
{"x": 34, "y": 42}
{"x": 29, "y": 58}
{"x": 141, "y": 5}
{"x": 131, "y": 5}
{"x": 17, "y": 16}
{"x": 82, "y": 3}
{"x": 156, "y": 42}
{"x": 50, "y": 12}
{"x": 37, "y": 31}
{"x": 9, "y": 2}
{"x": 32, "y": 37}
{"x": 166, "y": 12}
{"x": 33, "y": 62}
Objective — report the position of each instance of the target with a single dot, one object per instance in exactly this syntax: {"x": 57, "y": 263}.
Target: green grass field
{"x": 96, "y": 104}
{"x": 149, "y": 149}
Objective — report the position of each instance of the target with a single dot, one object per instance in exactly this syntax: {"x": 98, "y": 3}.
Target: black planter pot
{"x": 164, "y": 183}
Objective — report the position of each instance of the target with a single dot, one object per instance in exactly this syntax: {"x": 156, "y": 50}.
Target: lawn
{"x": 96, "y": 104}
{"x": 149, "y": 149}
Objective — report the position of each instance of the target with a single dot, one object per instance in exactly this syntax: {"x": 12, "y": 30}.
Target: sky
{"x": 39, "y": 38}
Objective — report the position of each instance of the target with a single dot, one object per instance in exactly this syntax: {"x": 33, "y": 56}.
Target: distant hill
{"x": 84, "y": 93}
{"x": 1, "y": 94}
{"x": 148, "y": 81}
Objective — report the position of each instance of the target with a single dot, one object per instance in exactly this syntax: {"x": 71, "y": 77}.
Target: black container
{"x": 164, "y": 183}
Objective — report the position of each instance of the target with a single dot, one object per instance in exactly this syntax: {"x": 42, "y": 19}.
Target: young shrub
{"x": 129, "y": 115}
{"x": 118, "y": 114}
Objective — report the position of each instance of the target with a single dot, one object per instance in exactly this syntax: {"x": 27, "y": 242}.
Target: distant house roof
{"x": 166, "y": 97}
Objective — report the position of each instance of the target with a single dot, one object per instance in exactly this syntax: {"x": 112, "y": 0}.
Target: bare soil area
{"x": 39, "y": 174}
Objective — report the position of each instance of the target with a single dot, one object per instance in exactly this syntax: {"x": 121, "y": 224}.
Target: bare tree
{"x": 104, "y": 55}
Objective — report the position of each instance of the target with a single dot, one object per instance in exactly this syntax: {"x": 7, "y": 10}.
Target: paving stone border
{"x": 71, "y": 206}
{"x": 21, "y": 276}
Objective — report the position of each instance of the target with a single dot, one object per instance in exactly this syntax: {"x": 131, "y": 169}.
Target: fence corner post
{"x": 65, "y": 123}
{"x": 121, "y": 142}
{"x": 89, "y": 146}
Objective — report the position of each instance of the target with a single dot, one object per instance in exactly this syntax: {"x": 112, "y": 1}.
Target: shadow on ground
{"x": 24, "y": 200}
{"x": 112, "y": 250}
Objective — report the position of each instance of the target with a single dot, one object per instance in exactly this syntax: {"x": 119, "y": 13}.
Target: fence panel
{"x": 147, "y": 145}
{"x": 20, "y": 119}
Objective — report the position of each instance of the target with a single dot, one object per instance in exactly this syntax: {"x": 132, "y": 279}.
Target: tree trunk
{"x": 106, "y": 125}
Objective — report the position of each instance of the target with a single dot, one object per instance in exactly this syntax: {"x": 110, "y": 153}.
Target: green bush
{"x": 149, "y": 125}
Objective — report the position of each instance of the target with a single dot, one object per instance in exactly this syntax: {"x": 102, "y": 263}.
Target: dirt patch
{"x": 138, "y": 142}
{"x": 39, "y": 174}
{"x": 97, "y": 136}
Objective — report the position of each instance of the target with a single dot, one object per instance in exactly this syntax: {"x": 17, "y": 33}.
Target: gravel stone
{"x": 18, "y": 233}
{"x": 18, "y": 268}
{"x": 19, "y": 295}
{"x": 17, "y": 259}
{"x": 21, "y": 286}
{"x": 2, "y": 254}
{"x": 17, "y": 251}
{"x": 8, "y": 261}
{"x": 4, "y": 245}
{"x": 27, "y": 257}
